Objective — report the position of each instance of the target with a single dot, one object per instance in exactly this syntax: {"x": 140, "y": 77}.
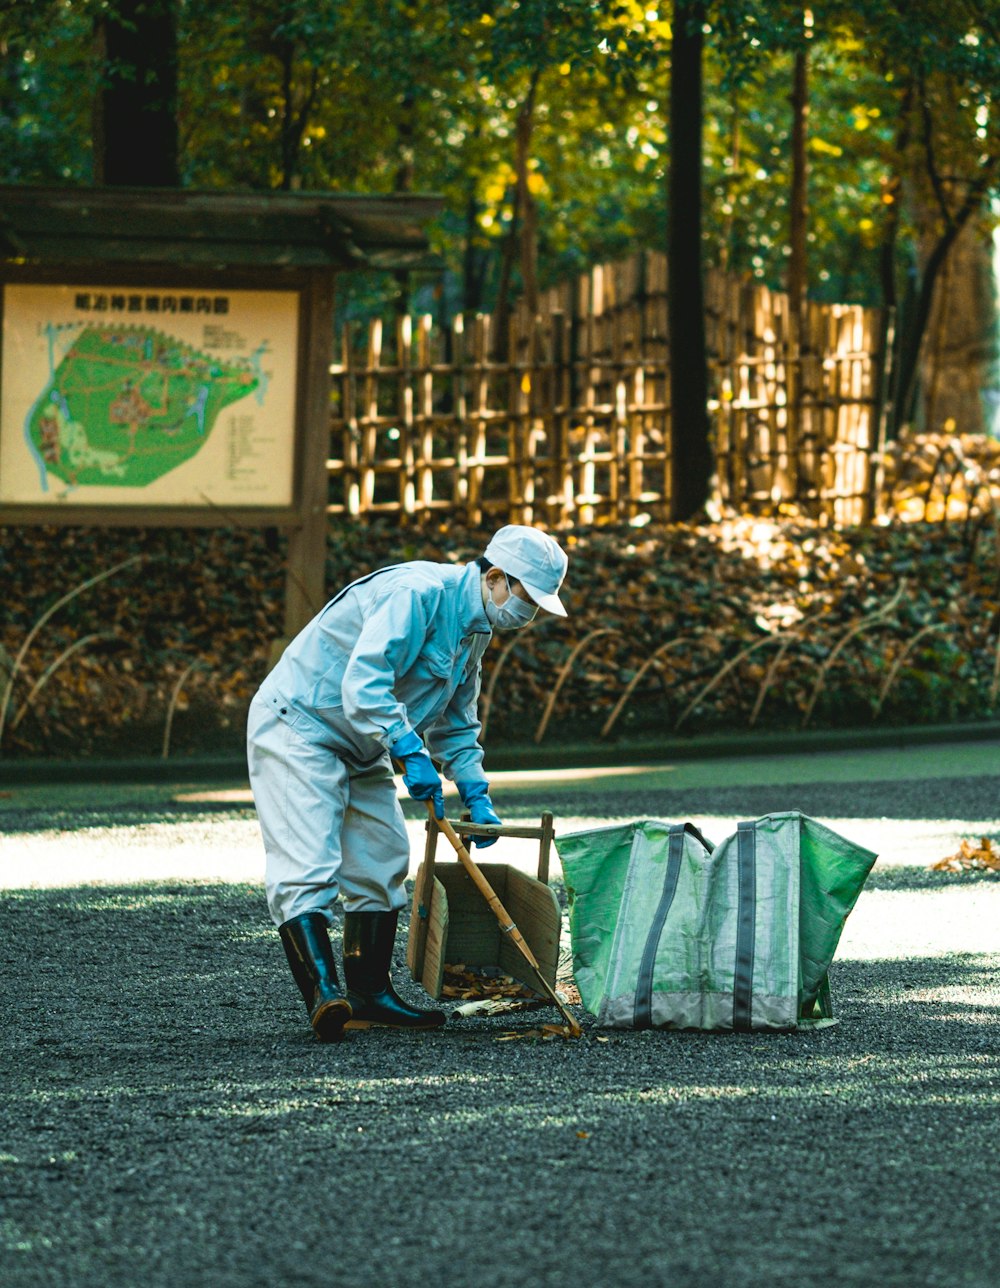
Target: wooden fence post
{"x": 369, "y": 435}
{"x": 404, "y": 363}
{"x": 481, "y": 379}
{"x": 352, "y": 432}
{"x": 561, "y": 476}
{"x": 883, "y": 357}
{"x": 305, "y": 574}
{"x": 424, "y": 480}
{"x": 460, "y": 482}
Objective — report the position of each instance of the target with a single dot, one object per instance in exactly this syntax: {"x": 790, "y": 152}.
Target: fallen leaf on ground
{"x": 971, "y": 856}
{"x": 546, "y": 1032}
{"x": 498, "y": 1006}
{"x": 464, "y": 982}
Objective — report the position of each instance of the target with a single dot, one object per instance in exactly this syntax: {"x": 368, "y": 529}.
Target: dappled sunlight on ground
{"x": 229, "y": 849}
{"x": 897, "y": 924}
{"x": 505, "y": 779}
{"x": 951, "y": 915}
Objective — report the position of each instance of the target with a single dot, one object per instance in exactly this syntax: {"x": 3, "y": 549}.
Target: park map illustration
{"x": 125, "y": 404}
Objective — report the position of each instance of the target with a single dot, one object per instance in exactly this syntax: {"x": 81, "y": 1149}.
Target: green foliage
{"x": 384, "y": 95}
{"x": 44, "y": 119}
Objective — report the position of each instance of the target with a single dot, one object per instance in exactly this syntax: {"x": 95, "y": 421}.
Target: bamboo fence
{"x": 574, "y": 425}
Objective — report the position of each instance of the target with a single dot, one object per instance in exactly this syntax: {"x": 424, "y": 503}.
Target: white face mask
{"x": 512, "y": 614}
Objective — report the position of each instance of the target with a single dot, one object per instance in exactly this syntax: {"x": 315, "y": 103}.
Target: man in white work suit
{"x": 388, "y": 671}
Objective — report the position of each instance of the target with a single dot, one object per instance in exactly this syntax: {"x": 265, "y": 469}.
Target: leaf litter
{"x": 971, "y": 856}
{"x": 486, "y": 992}
{"x": 190, "y": 627}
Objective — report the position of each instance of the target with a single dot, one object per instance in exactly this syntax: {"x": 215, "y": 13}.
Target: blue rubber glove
{"x": 419, "y": 775}
{"x": 476, "y": 799}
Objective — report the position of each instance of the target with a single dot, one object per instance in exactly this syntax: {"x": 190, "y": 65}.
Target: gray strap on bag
{"x": 643, "y": 1015}
{"x": 746, "y": 860}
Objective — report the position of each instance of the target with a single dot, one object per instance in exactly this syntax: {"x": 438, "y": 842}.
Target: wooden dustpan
{"x": 452, "y": 923}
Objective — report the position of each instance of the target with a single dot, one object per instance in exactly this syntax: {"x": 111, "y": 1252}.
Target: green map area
{"x": 128, "y": 404}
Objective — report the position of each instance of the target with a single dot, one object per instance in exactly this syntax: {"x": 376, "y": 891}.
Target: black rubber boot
{"x": 368, "y": 941}
{"x": 310, "y": 955}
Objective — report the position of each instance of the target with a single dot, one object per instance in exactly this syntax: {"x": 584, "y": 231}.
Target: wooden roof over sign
{"x": 214, "y": 229}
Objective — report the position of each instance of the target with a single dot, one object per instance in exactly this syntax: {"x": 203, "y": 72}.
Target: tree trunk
{"x": 403, "y": 182}
{"x": 289, "y": 143}
{"x": 909, "y": 359}
{"x": 798, "y": 272}
{"x": 798, "y": 203}
{"x": 527, "y": 204}
{"x": 959, "y": 369}
{"x": 135, "y": 115}
{"x": 691, "y": 465}
{"x": 294, "y": 116}
{"x": 522, "y": 227}
{"x": 501, "y": 308}
{"x": 951, "y": 217}
{"x": 473, "y": 260}
{"x": 890, "y": 333}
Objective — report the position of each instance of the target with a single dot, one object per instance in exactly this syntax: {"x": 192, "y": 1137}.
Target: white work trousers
{"x": 329, "y": 831}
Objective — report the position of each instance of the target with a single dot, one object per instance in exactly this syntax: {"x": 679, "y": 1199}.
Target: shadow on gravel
{"x": 134, "y": 814}
{"x": 167, "y": 1118}
{"x": 899, "y": 876}
{"x": 938, "y": 798}
{"x": 932, "y": 798}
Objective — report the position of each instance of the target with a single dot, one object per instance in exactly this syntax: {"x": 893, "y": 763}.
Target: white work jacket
{"x": 398, "y": 651}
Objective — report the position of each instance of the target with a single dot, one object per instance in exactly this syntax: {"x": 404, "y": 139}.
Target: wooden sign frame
{"x": 306, "y": 516}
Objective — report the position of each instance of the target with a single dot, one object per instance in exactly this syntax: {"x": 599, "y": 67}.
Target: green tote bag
{"x": 669, "y": 931}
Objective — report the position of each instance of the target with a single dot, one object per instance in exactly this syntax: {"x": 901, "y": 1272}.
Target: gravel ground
{"x": 167, "y": 1119}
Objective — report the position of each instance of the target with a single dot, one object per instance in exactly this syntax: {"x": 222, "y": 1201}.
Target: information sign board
{"x": 139, "y": 396}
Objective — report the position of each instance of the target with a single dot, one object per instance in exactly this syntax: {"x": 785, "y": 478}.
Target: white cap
{"x": 534, "y": 559}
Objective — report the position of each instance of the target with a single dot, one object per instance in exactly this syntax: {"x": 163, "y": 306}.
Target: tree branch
{"x": 933, "y": 175}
